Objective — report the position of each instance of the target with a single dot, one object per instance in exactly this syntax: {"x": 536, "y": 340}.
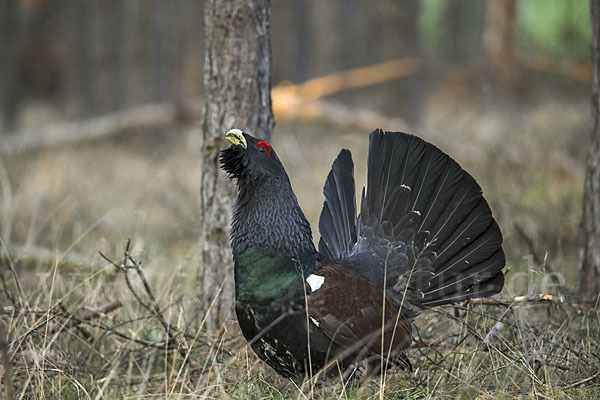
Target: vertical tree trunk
{"x": 414, "y": 90}
{"x": 159, "y": 69}
{"x": 77, "y": 84}
{"x": 9, "y": 63}
{"x": 121, "y": 37}
{"x": 302, "y": 39}
{"x": 590, "y": 255}
{"x": 237, "y": 74}
{"x": 499, "y": 36}
{"x": 462, "y": 25}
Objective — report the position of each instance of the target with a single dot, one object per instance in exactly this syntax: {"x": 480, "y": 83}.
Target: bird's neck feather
{"x": 271, "y": 240}
{"x": 267, "y": 217}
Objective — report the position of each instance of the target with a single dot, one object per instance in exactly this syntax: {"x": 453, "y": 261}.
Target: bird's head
{"x": 250, "y": 160}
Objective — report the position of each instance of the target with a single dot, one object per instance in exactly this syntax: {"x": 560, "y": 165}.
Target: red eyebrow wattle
{"x": 266, "y": 146}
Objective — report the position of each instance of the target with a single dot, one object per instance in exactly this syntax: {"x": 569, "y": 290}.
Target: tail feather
{"x": 486, "y": 288}
{"x": 446, "y": 288}
{"x": 422, "y": 206}
{"x": 447, "y": 186}
{"x": 469, "y": 254}
{"x": 463, "y": 232}
{"x": 337, "y": 223}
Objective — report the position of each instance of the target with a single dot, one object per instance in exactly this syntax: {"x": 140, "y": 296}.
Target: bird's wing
{"x": 425, "y": 233}
{"x": 353, "y": 314}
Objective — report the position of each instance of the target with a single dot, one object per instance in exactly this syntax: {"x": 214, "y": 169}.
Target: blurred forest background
{"x": 101, "y": 104}
{"x": 70, "y": 59}
{"x": 496, "y": 84}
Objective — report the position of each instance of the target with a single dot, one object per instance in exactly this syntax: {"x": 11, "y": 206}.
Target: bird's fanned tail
{"x": 423, "y": 224}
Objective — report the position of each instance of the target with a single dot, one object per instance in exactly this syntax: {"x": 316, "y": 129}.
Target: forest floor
{"x": 77, "y": 328}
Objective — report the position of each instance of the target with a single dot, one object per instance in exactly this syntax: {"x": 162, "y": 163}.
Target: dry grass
{"x": 153, "y": 343}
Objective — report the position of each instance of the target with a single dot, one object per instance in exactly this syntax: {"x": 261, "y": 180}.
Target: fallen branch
{"x": 356, "y": 78}
{"x": 536, "y": 298}
{"x": 136, "y": 119}
{"x": 36, "y": 255}
{"x": 583, "y": 381}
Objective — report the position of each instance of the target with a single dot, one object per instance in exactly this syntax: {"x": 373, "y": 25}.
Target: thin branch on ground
{"x": 536, "y": 298}
{"x": 174, "y": 334}
{"x": 583, "y": 381}
{"x": 92, "y": 313}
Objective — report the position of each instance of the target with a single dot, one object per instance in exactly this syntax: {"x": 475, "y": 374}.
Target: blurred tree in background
{"x": 87, "y": 58}
{"x": 9, "y": 48}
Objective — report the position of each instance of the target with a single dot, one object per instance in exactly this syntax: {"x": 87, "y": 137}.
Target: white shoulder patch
{"x": 315, "y": 282}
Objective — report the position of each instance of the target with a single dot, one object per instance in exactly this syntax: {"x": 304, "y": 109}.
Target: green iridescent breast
{"x": 260, "y": 276}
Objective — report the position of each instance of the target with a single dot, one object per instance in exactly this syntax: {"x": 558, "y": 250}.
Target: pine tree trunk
{"x": 590, "y": 255}
{"x": 237, "y": 74}
{"x": 9, "y": 64}
{"x": 499, "y": 37}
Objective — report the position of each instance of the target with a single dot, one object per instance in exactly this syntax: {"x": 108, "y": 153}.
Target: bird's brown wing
{"x": 357, "y": 316}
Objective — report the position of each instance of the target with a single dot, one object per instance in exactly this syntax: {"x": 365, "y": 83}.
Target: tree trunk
{"x": 9, "y": 63}
{"x": 590, "y": 254}
{"x": 462, "y": 25}
{"x": 499, "y": 37}
{"x": 303, "y": 40}
{"x": 79, "y": 95}
{"x": 237, "y": 74}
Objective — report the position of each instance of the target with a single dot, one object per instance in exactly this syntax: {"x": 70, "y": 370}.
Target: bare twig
{"x": 536, "y": 298}
{"x": 92, "y": 313}
{"x": 422, "y": 342}
{"x": 175, "y": 334}
{"x": 57, "y": 315}
{"x": 583, "y": 381}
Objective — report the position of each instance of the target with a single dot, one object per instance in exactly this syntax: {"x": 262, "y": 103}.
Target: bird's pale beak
{"x": 236, "y": 138}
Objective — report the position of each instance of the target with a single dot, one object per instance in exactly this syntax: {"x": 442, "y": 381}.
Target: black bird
{"x": 425, "y": 236}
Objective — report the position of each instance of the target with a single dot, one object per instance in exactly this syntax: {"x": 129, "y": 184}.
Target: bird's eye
{"x": 264, "y": 147}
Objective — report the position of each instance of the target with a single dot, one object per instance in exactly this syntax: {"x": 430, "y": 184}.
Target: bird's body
{"x": 424, "y": 236}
